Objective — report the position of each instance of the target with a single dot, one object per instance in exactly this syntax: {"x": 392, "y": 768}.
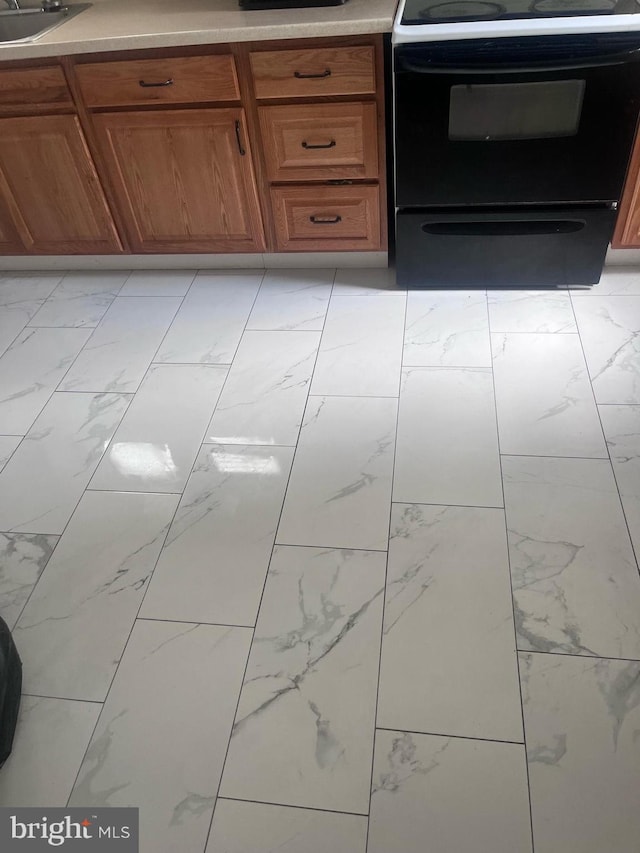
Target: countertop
{"x": 133, "y": 24}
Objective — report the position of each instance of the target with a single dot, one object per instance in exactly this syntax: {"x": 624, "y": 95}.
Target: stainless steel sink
{"x": 20, "y": 25}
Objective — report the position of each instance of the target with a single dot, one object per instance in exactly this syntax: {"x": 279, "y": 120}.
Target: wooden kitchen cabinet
{"x": 251, "y": 147}
{"x": 50, "y": 188}
{"x": 323, "y": 145}
{"x": 184, "y": 179}
{"x": 51, "y": 199}
{"x": 627, "y": 231}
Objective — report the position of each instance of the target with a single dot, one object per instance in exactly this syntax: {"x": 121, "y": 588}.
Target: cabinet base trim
{"x": 254, "y": 260}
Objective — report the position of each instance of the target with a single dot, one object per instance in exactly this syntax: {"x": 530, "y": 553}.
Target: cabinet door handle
{"x": 146, "y": 85}
{"x": 238, "y": 140}
{"x": 325, "y": 220}
{"x": 306, "y": 145}
{"x": 325, "y": 73}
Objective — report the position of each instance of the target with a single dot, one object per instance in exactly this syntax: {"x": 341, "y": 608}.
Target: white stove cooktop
{"x": 440, "y": 20}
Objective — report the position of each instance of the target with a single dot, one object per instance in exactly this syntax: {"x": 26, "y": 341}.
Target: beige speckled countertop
{"x": 133, "y": 24}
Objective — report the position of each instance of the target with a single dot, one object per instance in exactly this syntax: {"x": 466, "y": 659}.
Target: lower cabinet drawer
{"x": 308, "y": 142}
{"x": 317, "y": 219}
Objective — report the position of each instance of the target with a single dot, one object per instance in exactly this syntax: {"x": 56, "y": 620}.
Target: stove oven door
{"x": 534, "y": 120}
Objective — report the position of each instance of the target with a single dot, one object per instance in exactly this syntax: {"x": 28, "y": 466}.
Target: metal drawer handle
{"x": 146, "y": 85}
{"x": 309, "y": 147}
{"x": 325, "y": 73}
{"x": 324, "y": 220}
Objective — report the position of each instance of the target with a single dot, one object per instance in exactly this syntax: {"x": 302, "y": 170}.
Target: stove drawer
{"x": 320, "y": 141}
{"x": 521, "y": 248}
{"x": 320, "y": 219}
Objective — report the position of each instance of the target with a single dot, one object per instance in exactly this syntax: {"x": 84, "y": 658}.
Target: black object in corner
{"x": 10, "y": 687}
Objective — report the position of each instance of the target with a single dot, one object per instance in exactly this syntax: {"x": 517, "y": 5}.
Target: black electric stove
{"x": 424, "y": 12}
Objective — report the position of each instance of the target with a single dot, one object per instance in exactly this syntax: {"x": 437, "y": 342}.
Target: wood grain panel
{"x": 51, "y": 187}
{"x": 306, "y": 142}
{"x": 320, "y": 219}
{"x": 314, "y": 72}
{"x": 31, "y": 88}
{"x": 183, "y": 182}
{"x": 193, "y": 79}
{"x": 627, "y": 230}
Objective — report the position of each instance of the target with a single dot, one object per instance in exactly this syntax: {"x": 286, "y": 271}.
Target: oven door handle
{"x": 576, "y": 65}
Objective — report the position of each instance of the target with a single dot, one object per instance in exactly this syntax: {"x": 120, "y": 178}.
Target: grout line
{"x": 64, "y": 698}
{"x": 264, "y": 585}
{"x": 291, "y": 806}
{"x": 330, "y": 547}
{"x": 191, "y": 622}
{"x": 386, "y": 570}
{"x": 509, "y": 580}
{"x": 551, "y": 456}
{"x": 606, "y": 444}
{"x": 572, "y": 655}
{"x": 462, "y": 506}
{"x": 447, "y": 735}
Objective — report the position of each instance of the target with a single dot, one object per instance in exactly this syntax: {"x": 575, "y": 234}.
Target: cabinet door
{"x": 184, "y": 179}
{"x": 51, "y": 187}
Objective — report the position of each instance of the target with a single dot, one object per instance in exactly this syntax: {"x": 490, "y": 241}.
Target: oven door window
{"x": 512, "y": 111}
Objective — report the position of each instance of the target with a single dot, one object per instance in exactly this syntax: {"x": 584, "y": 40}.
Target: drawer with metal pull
{"x": 306, "y": 142}
{"x": 177, "y": 80}
{"x": 318, "y": 218}
{"x": 314, "y": 72}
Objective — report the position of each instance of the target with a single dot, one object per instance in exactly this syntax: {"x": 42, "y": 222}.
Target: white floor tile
{"x": 610, "y": 332}
{"x": 294, "y": 299}
{"x": 447, "y": 329}
{"x": 255, "y": 828}
{"x": 20, "y": 299}
{"x": 123, "y": 346}
{"x": 8, "y": 444}
{"x": 340, "y": 488}
{"x": 361, "y": 349}
{"x": 23, "y": 557}
{"x": 80, "y": 300}
{"x": 31, "y": 369}
{"x": 158, "y": 283}
{"x": 210, "y": 323}
{"x": 575, "y": 581}
{"x": 448, "y": 594}
{"x": 264, "y": 397}
{"x": 73, "y": 631}
{"x": 531, "y": 311}
{"x": 614, "y": 280}
{"x": 214, "y": 563}
{"x": 582, "y": 720}
{"x": 544, "y": 400}
{"x": 447, "y": 445}
{"x": 44, "y": 479}
{"x": 621, "y": 426}
{"x": 305, "y": 720}
{"x": 157, "y": 442}
{"x": 360, "y": 282}
{"x": 51, "y": 738}
{"x": 161, "y": 739}
{"x": 448, "y": 796}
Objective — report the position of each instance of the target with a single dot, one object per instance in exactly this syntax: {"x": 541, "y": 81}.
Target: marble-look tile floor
{"x": 298, "y": 561}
